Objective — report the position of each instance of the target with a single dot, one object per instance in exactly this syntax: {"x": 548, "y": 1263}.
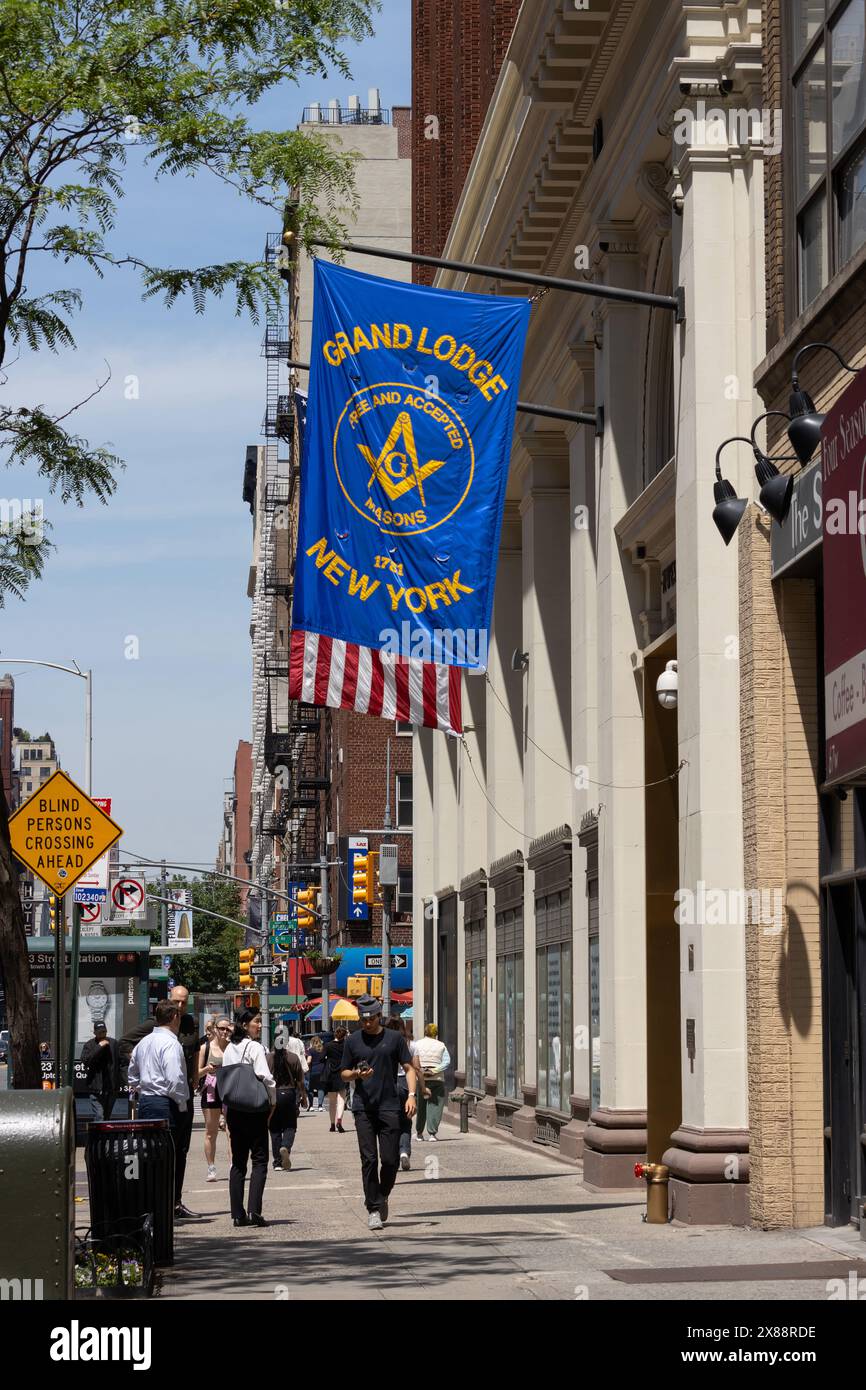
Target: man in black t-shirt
{"x": 370, "y": 1059}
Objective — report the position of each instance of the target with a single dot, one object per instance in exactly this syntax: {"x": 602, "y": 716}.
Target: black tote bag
{"x": 238, "y": 1087}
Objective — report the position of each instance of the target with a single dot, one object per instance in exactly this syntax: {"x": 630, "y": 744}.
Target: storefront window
{"x": 555, "y": 1030}
{"x": 476, "y": 1023}
{"x": 594, "y": 996}
{"x": 828, "y": 100}
{"x": 509, "y": 1015}
{"x": 595, "y": 1024}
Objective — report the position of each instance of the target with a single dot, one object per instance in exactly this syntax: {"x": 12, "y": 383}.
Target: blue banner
{"x": 407, "y": 443}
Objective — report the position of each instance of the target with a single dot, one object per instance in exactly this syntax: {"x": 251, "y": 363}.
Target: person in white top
{"x": 157, "y": 1069}
{"x": 293, "y": 1044}
{"x": 248, "y": 1131}
{"x": 433, "y": 1058}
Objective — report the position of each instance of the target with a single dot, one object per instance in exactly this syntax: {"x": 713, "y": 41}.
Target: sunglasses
{"x": 224, "y": 1030}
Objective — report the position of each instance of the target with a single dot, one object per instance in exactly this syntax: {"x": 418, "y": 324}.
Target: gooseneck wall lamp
{"x": 729, "y": 508}
{"x": 804, "y": 430}
{"x": 776, "y": 488}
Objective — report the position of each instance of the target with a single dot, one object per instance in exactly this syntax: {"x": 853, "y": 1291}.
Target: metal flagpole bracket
{"x": 674, "y": 302}
{"x": 580, "y": 417}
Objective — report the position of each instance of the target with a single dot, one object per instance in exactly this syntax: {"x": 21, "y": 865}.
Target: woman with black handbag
{"x": 248, "y": 1091}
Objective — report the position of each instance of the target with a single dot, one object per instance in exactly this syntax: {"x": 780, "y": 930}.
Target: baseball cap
{"x": 368, "y": 1006}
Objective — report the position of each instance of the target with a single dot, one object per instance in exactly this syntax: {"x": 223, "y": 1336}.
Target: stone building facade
{"x": 566, "y": 848}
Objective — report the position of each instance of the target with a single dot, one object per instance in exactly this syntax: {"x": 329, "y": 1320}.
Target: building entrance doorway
{"x": 844, "y": 929}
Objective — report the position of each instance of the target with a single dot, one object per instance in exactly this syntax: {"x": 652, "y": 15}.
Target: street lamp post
{"x": 87, "y": 677}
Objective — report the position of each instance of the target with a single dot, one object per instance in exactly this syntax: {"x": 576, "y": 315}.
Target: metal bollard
{"x": 462, "y": 1100}
{"x": 657, "y": 1175}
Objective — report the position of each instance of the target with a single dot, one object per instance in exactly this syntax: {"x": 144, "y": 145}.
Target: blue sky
{"x": 167, "y": 561}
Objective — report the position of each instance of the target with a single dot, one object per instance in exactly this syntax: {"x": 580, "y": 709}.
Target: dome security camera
{"x": 667, "y": 686}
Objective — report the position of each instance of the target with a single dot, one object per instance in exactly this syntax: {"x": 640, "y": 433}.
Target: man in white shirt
{"x": 157, "y": 1068}
{"x": 284, "y": 1037}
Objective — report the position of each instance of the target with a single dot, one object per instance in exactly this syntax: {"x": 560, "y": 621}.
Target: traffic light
{"x": 306, "y": 903}
{"x": 376, "y": 983}
{"x": 53, "y": 912}
{"x": 245, "y": 966}
{"x": 364, "y": 878}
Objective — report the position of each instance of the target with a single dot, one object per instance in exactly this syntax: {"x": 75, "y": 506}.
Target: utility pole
{"x": 266, "y": 980}
{"x": 59, "y": 984}
{"x": 386, "y": 897}
{"x": 325, "y": 909}
{"x": 163, "y": 911}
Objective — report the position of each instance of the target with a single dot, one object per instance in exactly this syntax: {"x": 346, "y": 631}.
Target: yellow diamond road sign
{"x": 60, "y": 832}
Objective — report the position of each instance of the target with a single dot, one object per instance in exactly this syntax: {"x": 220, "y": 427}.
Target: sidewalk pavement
{"x": 475, "y": 1218}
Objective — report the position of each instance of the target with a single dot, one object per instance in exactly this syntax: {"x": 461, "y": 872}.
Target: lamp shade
{"x": 728, "y": 511}
{"x": 804, "y": 430}
{"x": 776, "y": 489}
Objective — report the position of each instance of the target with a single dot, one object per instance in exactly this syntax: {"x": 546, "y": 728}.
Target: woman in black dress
{"x": 283, "y": 1124}
{"x": 334, "y": 1083}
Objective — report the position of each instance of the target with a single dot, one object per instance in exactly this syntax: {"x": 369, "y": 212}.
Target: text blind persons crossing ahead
{"x": 60, "y": 832}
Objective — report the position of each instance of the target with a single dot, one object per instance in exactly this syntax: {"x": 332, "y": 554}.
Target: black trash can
{"x": 130, "y": 1172}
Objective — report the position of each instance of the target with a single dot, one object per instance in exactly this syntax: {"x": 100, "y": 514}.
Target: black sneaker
{"x": 182, "y": 1213}
{"x": 256, "y": 1220}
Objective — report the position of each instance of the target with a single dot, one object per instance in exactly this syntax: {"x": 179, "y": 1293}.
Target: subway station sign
{"x": 60, "y": 832}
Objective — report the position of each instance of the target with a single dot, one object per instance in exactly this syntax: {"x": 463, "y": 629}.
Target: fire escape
{"x": 294, "y": 749}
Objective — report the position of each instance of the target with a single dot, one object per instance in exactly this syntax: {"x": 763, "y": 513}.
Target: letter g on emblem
{"x": 409, "y": 464}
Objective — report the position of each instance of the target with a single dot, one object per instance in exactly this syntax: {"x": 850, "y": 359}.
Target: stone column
{"x": 616, "y": 1135}
{"x": 583, "y": 448}
{"x": 504, "y": 696}
{"x": 503, "y": 753}
{"x": 718, "y": 261}
{"x": 544, "y": 511}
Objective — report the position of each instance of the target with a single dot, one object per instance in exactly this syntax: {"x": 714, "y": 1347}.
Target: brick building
{"x": 234, "y": 848}
{"x": 356, "y": 802}
{"x": 457, "y": 51}
{"x": 804, "y": 822}
{"x": 7, "y": 720}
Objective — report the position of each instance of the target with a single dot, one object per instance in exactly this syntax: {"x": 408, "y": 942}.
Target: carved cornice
{"x": 506, "y": 867}
{"x": 472, "y": 882}
{"x": 555, "y": 844}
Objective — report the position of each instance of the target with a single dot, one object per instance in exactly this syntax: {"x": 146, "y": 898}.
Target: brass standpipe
{"x": 657, "y": 1175}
